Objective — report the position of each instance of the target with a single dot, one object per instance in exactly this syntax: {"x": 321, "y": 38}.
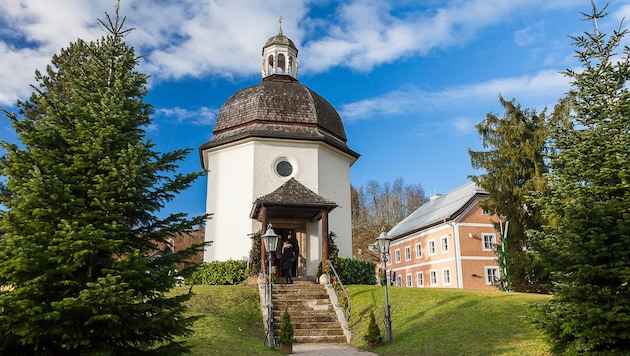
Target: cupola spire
{"x": 279, "y": 55}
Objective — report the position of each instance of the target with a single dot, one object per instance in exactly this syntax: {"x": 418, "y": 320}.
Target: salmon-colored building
{"x": 449, "y": 242}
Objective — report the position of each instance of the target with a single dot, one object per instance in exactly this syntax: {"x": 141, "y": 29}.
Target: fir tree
{"x": 514, "y": 167}
{"x": 586, "y": 244}
{"x": 82, "y": 191}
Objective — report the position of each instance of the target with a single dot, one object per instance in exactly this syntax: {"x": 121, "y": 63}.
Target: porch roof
{"x": 292, "y": 200}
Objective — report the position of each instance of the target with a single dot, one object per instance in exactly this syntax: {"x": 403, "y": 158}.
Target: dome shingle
{"x": 278, "y": 107}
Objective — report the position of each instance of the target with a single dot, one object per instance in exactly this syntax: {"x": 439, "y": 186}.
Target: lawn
{"x": 424, "y": 321}
{"x": 449, "y": 321}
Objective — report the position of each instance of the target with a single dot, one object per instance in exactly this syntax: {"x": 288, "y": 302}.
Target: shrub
{"x": 286, "y": 329}
{"x": 373, "y": 336}
{"x": 228, "y": 272}
{"x": 254, "y": 265}
{"x": 356, "y": 271}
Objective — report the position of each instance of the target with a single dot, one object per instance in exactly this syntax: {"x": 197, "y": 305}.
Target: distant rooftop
{"x": 437, "y": 210}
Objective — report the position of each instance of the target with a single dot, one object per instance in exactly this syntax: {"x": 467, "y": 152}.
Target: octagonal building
{"x": 278, "y": 155}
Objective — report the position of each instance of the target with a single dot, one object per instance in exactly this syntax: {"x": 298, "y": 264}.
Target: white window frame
{"x": 492, "y": 242}
{"x": 409, "y": 280}
{"x": 407, "y": 253}
{"x": 446, "y": 276}
{"x": 419, "y": 250}
{"x": 398, "y": 280}
{"x": 433, "y": 277}
{"x": 432, "y": 247}
{"x": 397, "y": 254}
{"x": 444, "y": 244}
{"x": 420, "y": 279}
{"x": 497, "y": 275}
{"x": 485, "y": 212}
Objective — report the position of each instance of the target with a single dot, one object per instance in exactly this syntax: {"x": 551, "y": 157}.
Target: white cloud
{"x": 194, "y": 38}
{"x": 202, "y": 116}
{"x": 540, "y": 90}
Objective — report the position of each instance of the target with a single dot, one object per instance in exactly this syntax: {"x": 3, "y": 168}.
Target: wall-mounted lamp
{"x": 470, "y": 234}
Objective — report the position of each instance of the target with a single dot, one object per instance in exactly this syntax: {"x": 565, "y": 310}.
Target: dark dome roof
{"x": 278, "y": 107}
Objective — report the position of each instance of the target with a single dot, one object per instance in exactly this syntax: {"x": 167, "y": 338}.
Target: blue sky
{"x": 410, "y": 79}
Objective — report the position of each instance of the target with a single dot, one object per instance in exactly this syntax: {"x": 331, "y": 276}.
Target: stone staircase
{"x": 312, "y": 314}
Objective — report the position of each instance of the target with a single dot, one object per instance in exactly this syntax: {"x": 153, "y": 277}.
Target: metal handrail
{"x": 346, "y": 297}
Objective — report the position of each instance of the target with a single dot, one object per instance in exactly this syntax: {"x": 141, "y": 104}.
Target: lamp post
{"x": 270, "y": 239}
{"x": 383, "y": 242}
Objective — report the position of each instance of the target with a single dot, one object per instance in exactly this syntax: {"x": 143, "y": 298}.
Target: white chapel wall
{"x": 334, "y": 183}
{"x": 229, "y": 198}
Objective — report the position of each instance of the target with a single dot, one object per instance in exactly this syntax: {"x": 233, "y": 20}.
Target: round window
{"x": 284, "y": 168}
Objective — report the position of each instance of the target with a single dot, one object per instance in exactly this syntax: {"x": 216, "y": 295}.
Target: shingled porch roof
{"x": 292, "y": 200}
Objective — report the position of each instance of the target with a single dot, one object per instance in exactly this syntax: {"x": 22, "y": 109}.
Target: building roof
{"x": 292, "y": 200}
{"x": 438, "y": 210}
{"x": 278, "y": 107}
{"x": 280, "y": 39}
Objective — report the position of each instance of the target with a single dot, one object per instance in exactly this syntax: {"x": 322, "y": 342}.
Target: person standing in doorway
{"x": 287, "y": 261}
{"x": 278, "y": 256}
{"x": 296, "y": 249}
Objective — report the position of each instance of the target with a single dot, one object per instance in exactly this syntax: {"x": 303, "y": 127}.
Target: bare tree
{"x": 380, "y": 205}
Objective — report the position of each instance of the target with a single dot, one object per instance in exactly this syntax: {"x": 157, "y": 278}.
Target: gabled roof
{"x": 438, "y": 210}
{"x": 292, "y": 200}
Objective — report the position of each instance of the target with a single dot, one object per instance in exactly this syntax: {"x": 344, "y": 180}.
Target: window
{"x": 492, "y": 275}
{"x": 409, "y": 280}
{"x": 419, "y": 250}
{"x": 431, "y": 247}
{"x": 444, "y": 244}
{"x": 397, "y": 256}
{"x": 284, "y": 168}
{"x": 399, "y": 281}
{"x": 407, "y": 253}
{"x": 485, "y": 212}
{"x": 489, "y": 242}
{"x": 433, "y": 277}
{"x": 446, "y": 276}
{"x": 420, "y": 279}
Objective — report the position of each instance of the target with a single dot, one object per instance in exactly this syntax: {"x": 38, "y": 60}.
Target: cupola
{"x": 279, "y": 56}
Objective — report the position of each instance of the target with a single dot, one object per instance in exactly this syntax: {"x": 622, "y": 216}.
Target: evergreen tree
{"x": 81, "y": 193}
{"x": 586, "y": 244}
{"x": 513, "y": 168}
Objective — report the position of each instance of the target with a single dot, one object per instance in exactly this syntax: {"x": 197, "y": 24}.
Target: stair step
{"x": 321, "y": 325}
{"x": 307, "y": 319}
{"x": 321, "y": 339}
{"x": 312, "y": 314}
{"x": 297, "y": 308}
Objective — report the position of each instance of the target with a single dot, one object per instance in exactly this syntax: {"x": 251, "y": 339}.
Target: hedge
{"x": 228, "y": 272}
{"x": 356, "y": 271}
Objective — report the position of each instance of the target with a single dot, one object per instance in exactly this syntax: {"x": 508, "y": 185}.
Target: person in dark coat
{"x": 287, "y": 261}
{"x": 296, "y": 249}
{"x": 278, "y": 255}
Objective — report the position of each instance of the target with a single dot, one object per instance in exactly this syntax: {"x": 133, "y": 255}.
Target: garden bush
{"x": 228, "y": 272}
{"x": 356, "y": 271}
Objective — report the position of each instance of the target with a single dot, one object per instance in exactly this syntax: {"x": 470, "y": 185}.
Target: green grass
{"x": 449, "y": 321}
{"x": 230, "y": 321}
{"x": 424, "y": 321}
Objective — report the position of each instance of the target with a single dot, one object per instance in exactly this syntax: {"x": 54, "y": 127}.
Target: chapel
{"x": 278, "y": 155}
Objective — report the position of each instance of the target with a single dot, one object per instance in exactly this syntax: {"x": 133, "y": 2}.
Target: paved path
{"x": 309, "y": 349}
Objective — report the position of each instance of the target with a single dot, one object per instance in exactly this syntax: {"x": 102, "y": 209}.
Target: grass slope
{"x": 424, "y": 321}
{"x": 449, "y": 321}
{"x": 230, "y": 321}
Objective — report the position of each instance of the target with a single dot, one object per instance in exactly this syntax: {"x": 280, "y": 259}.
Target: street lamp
{"x": 383, "y": 242}
{"x": 270, "y": 239}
